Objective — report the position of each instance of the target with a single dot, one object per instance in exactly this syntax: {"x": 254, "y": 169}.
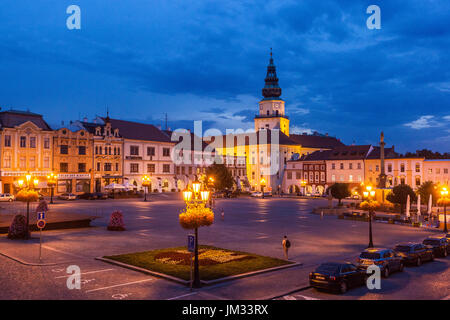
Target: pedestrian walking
{"x": 286, "y": 245}
{"x": 321, "y": 215}
{"x": 222, "y": 214}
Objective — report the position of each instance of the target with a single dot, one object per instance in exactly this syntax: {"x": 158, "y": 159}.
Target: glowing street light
{"x": 444, "y": 200}
{"x": 369, "y": 194}
{"x": 51, "y": 182}
{"x": 263, "y": 184}
{"x": 146, "y": 182}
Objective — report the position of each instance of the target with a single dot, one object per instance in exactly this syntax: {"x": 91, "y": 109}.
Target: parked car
{"x": 414, "y": 253}
{"x": 86, "y": 196}
{"x": 93, "y": 196}
{"x": 67, "y": 196}
{"x": 337, "y": 276}
{"x": 386, "y": 259}
{"x": 100, "y": 196}
{"x": 440, "y": 244}
{"x": 219, "y": 194}
{"x": 7, "y": 197}
{"x": 256, "y": 194}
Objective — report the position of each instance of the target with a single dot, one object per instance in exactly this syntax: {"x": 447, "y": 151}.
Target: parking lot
{"x": 253, "y": 225}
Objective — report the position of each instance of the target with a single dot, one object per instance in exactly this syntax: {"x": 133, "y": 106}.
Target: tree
{"x": 222, "y": 176}
{"x": 399, "y": 195}
{"x": 340, "y": 191}
{"x": 196, "y": 215}
{"x": 427, "y": 188}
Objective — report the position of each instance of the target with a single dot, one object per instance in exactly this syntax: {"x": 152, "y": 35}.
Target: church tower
{"x": 271, "y": 107}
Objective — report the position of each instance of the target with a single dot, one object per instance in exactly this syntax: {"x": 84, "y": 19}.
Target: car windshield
{"x": 370, "y": 255}
{"x": 402, "y": 248}
{"x": 328, "y": 268}
{"x": 431, "y": 242}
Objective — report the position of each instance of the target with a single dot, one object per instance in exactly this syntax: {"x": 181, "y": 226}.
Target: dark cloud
{"x": 353, "y": 81}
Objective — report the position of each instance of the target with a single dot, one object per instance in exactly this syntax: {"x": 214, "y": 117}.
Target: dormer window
{"x": 98, "y": 131}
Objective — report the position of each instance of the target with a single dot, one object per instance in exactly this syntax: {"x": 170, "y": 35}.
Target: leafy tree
{"x": 427, "y": 188}
{"x": 399, "y": 195}
{"x": 340, "y": 191}
{"x": 222, "y": 176}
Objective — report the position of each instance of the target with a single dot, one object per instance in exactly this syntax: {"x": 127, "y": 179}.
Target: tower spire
{"x": 271, "y": 89}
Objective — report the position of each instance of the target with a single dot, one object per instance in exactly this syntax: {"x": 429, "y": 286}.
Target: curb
{"x": 146, "y": 271}
{"x": 287, "y": 293}
{"x": 207, "y": 283}
{"x": 251, "y": 273}
{"x": 29, "y": 263}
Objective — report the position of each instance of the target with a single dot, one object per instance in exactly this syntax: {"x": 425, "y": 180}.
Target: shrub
{"x": 27, "y": 195}
{"x": 195, "y": 217}
{"x": 18, "y": 228}
{"x": 116, "y": 221}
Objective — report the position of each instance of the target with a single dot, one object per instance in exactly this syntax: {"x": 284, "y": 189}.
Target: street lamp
{"x": 146, "y": 182}
{"x": 196, "y": 199}
{"x": 29, "y": 186}
{"x": 369, "y": 194}
{"x": 444, "y": 193}
{"x": 263, "y": 184}
{"x": 51, "y": 182}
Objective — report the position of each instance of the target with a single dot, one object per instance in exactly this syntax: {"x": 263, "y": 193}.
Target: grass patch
{"x": 215, "y": 262}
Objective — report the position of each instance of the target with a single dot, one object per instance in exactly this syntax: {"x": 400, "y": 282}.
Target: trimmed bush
{"x": 116, "y": 221}
{"x": 18, "y": 228}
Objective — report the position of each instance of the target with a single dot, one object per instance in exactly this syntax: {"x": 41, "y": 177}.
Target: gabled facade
{"x": 26, "y": 147}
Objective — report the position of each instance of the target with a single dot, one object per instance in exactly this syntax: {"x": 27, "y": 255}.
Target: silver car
{"x": 7, "y": 197}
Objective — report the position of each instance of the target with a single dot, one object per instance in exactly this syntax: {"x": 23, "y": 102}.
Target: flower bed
{"x": 214, "y": 262}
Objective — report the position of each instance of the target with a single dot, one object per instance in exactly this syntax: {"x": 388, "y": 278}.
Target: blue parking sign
{"x": 191, "y": 242}
{"x": 41, "y": 215}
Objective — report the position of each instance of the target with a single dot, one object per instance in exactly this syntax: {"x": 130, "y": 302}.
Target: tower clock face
{"x": 276, "y": 105}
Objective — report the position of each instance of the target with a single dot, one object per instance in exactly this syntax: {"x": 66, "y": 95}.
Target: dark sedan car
{"x": 336, "y": 276}
{"x": 386, "y": 259}
{"x": 93, "y": 196}
{"x": 414, "y": 253}
{"x": 440, "y": 244}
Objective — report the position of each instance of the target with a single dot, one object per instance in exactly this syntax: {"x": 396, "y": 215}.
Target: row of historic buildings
{"x": 88, "y": 156}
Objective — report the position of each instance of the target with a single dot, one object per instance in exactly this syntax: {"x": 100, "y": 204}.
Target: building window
{"x": 333, "y": 166}
{"x": 32, "y": 164}
{"x": 389, "y": 167}
{"x": 402, "y": 167}
{"x": 333, "y": 178}
{"x": 151, "y": 168}
{"x": 289, "y": 175}
{"x": 64, "y": 149}
{"x": 98, "y": 166}
{"x": 150, "y": 151}
{"x": 46, "y": 143}
{"x": 82, "y": 167}
{"x": 377, "y": 168}
{"x": 445, "y": 170}
{"x": 23, "y": 162}
{"x": 350, "y": 178}
{"x": 46, "y": 162}
{"x": 298, "y": 175}
{"x": 417, "y": 167}
{"x": 322, "y": 176}
{"x": 402, "y": 180}
{"x": 23, "y": 142}
{"x": 166, "y": 152}
{"x": 7, "y": 161}
{"x": 118, "y": 151}
{"x": 82, "y": 150}
{"x": 350, "y": 166}
{"x": 117, "y": 166}
{"x": 417, "y": 181}
{"x": 107, "y": 166}
{"x": 8, "y": 141}
{"x": 189, "y": 170}
{"x": 134, "y": 150}
{"x": 166, "y": 168}
{"x": 134, "y": 167}
{"x": 341, "y": 166}
{"x": 359, "y": 165}
{"x": 32, "y": 142}
{"x": 63, "y": 167}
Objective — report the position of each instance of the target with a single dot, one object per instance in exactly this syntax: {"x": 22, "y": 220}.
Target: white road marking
{"x": 63, "y": 252}
{"x": 183, "y": 295}
{"x": 143, "y": 217}
{"x": 89, "y": 272}
{"x": 119, "y": 285}
{"x": 289, "y": 298}
{"x": 306, "y": 297}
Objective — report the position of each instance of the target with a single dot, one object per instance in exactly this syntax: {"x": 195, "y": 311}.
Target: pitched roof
{"x": 194, "y": 138}
{"x": 389, "y": 153}
{"x": 316, "y": 155}
{"x": 350, "y": 152}
{"x": 138, "y": 131}
{"x": 13, "y": 118}
{"x": 244, "y": 138}
{"x": 316, "y": 141}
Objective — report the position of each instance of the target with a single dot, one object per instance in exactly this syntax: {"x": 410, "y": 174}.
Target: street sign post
{"x": 41, "y": 225}
{"x": 41, "y": 215}
{"x": 191, "y": 249}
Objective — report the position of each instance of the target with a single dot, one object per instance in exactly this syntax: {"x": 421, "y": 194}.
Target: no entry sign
{"x": 40, "y": 224}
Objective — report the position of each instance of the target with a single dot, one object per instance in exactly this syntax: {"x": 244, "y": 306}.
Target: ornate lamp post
{"x": 146, "y": 182}
{"x": 27, "y": 194}
{"x": 195, "y": 216}
{"x": 369, "y": 194}
{"x": 263, "y": 184}
{"x": 444, "y": 201}
{"x": 51, "y": 182}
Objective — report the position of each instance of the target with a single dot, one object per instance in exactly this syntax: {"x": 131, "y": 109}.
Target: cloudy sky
{"x": 206, "y": 60}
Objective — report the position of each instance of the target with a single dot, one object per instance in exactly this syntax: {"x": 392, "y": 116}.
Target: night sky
{"x": 206, "y": 60}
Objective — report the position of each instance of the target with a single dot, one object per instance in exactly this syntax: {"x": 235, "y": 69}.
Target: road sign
{"x": 191, "y": 242}
{"x": 41, "y": 215}
{"x": 40, "y": 223}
